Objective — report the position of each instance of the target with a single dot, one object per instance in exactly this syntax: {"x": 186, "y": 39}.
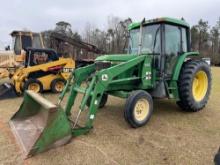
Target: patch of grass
{"x": 171, "y": 136}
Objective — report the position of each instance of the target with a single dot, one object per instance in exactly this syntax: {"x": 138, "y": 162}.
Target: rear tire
{"x": 194, "y": 85}
{"x": 57, "y": 85}
{"x": 34, "y": 85}
{"x": 138, "y": 108}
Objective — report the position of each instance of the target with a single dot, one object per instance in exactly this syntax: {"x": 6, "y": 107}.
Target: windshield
{"x": 17, "y": 45}
{"x": 37, "y": 41}
{"x": 26, "y": 41}
{"x": 150, "y": 39}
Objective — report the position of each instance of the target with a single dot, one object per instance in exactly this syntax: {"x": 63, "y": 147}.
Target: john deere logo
{"x": 104, "y": 77}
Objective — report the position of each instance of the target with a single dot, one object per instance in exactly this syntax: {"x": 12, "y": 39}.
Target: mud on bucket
{"x": 39, "y": 125}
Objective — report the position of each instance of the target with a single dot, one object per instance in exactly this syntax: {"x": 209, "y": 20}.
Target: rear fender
{"x": 180, "y": 62}
{"x": 173, "y": 85}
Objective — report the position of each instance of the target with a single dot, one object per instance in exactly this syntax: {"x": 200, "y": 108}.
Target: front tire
{"x": 194, "y": 85}
{"x": 34, "y": 85}
{"x": 138, "y": 108}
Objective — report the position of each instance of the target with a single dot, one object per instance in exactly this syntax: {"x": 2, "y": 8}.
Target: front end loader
{"x": 159, "y": 64}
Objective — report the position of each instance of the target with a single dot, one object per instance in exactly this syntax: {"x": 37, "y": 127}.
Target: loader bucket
{"x": 7, "y": 91}
{"x": 39, "y": 125}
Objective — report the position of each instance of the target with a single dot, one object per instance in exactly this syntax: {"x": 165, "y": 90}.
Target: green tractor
{"x": 159, "y": 64}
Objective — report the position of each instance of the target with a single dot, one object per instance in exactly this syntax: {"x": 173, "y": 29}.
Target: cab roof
{"x": 180, "y": 22}
{"x": 20, "y": 32}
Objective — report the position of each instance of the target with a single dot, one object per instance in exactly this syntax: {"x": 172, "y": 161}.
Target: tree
{"x": 214, "y": 37}
{"x": 200, "y": 38}
{"x": 61, "y": 47}
{"x": 64, "y": 28}
{"x": 203, "y": 34}
{"x": 118, "y": 33}
{"x": 194, "y": 37}
{"x": 112, "y": 40}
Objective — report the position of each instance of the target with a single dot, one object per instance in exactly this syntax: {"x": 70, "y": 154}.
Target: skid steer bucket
{"x": 39, "y": 125}
{"x": 7, "y": 91}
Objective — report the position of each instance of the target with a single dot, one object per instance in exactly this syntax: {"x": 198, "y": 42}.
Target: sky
{"x": 39, "y": 15}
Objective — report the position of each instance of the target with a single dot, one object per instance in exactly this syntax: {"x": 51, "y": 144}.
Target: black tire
{"x": 54, "y": 84}
{"x": 31, "y": 82}
{"x": 129, "y": 112}
{"x": 103, "y": 100}
{"x": 102, "y": 103}
{"x": 188, "y": 100}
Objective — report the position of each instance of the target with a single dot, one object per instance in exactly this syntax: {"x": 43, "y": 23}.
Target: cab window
{"x": 184, "y": 40}
{"x": 37, "y": 42}
{"x": 17, "y": 45}
{"x": 172, "y": 47}
{"x": 26, "y": 41}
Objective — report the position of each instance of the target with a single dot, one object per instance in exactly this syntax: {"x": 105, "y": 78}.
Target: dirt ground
{"x": 170, "y": 137}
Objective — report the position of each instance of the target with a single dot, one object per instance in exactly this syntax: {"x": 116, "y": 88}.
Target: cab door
{"x": 172, "y": 48}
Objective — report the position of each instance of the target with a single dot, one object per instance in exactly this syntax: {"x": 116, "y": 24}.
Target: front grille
{"x": 102, "y": 65}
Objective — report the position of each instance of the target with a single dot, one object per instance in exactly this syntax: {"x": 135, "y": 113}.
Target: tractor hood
{"x": 116, "y": 57}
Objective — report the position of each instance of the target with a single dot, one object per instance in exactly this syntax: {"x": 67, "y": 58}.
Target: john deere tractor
{"x": 159, "y": 64}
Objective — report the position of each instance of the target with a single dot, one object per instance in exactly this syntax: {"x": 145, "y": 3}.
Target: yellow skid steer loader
{"x": 43, "y": 70}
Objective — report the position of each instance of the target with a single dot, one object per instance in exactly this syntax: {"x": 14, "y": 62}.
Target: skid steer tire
{"x": 34, "y": 85}
{"x": 102, "y": 103}
{"x": 138, "y": 108}
{"x": 57, "y": 85}
{"x": 194, "y": 85}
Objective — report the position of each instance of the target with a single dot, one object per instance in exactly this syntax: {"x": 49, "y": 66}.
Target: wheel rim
{"x": 34, "y": 87}
{"x": 59, "y": 86}
{"x": 141, "y": 109}
{"x": 200, "y": 85}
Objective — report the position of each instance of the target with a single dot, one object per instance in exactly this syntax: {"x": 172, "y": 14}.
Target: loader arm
{"x": 101, "y": 82}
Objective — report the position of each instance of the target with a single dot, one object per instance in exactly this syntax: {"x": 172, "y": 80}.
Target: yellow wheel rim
{"x": 59, "y": 86}
{"x": 34, "y": 87}
{"x": 200, "y": 85}
{"x": 141, "y": 109}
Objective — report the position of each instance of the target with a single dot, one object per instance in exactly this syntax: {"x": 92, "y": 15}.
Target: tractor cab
{"x": 12, "y": 59}
{"x": 39, "y": 56}
{"x": 23, "y": 40}
{"x": 163, "y": 38}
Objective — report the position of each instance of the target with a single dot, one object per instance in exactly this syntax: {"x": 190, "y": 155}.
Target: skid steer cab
{"x": 43, "y": 70}
{"x": 156, "y": 66}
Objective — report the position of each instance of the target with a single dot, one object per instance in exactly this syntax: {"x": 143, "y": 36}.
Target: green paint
{"x": 180, "y": 62}
{"x": 116, "y": 58}
{"x": 47, "y": 125}
{"x": 160, "y": 20}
